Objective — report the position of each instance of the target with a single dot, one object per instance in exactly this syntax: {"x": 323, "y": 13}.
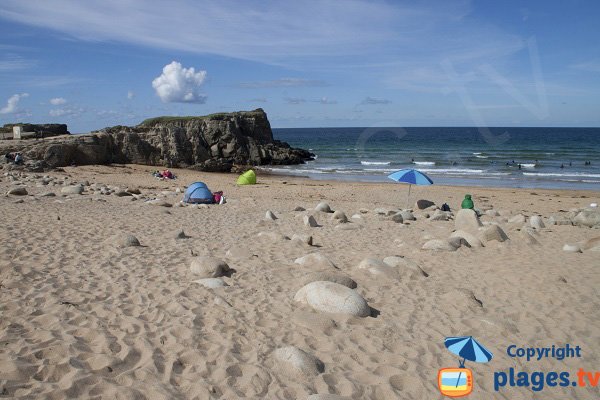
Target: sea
{"x": 553, "y": 158}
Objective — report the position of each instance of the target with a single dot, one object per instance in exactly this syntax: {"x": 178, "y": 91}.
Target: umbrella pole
{"x": 462, "y": 365}
{"x": 408, "y": 197}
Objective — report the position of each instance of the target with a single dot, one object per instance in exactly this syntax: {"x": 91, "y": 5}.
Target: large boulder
{"x": 209, "y": 267}
{"x": 18, "y": 191}
{"x": 423, "y": 204}
{"x": 536, "y": 222}
{"x": 75, "y": 189}
{"x": 591, "y": 244}
{"x": 294, "y": 360}
{"x": 330, "y": 276}
{"x": 493, "y": 232}
{"x": 467, "y": 220}
{"x": 589, "y": 218}
{"x": 439, "y": 245}
{"x": 334, "y": 298}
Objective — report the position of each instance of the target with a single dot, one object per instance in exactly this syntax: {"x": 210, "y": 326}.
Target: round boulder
{"x": 295, "y": 360}
{"x": 467, "y": 220}
{"x": 423, "y": 204}
{"x": 323, "y": 207}
{"x": 334, "y": 298}
{"x": 209, "y": 267}
{"x": 17, "y": 191}
{"x": 536, "y": 222}
{"x": 129, "y": 241}
{"x": 330, "y": 276}
{"x": 75, "y": 189}
{"x": 438, "y": 245}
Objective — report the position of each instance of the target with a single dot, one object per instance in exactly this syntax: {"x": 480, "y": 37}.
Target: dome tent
{"x": 247, "y": 178}
{"x": 198, "y": 192}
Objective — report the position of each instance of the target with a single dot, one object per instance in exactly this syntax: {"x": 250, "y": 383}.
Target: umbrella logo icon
{"x": 458, "y": 382}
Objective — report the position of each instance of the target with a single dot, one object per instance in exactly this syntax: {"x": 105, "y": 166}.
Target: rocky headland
{"x": 215, "y": 142}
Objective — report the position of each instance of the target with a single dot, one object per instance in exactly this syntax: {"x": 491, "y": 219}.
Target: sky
{"x": 92, "y": 64}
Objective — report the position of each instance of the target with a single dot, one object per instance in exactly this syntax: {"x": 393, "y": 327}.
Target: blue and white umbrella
{"x": 468, "y": 348}
{"x": 412, "y": 177}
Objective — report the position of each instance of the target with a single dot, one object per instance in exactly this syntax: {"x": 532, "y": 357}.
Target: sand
{"x": 84, "y": 316}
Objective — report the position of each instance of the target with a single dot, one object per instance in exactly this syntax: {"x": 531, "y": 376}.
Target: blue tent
{"x": 198, "y": 192}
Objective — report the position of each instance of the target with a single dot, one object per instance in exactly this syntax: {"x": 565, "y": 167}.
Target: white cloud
{"x": 179, "y": 85}
{"x": 130, "y": 94}
{"x": 57, "y": 101}
{"x": 12, "y": 104}
{"x": 67, "y": 111}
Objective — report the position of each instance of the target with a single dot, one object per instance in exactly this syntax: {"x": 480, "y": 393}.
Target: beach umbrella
{"x": 412, "y": 177}
{"x": 469, "y": 349}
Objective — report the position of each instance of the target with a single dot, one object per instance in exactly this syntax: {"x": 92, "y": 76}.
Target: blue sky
{"x": 93, "y": 64}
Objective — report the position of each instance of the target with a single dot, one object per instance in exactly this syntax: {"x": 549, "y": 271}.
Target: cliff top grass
{"x": 215, "y": 116}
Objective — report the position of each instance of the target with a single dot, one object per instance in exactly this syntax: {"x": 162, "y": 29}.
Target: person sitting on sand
{"x": 467, "y": 202}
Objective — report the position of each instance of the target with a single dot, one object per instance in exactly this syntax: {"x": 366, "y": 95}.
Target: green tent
{"x": 247, "y": 178}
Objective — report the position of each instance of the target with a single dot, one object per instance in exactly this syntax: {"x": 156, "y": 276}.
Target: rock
{"x": 209, "y": 267}
{"x": 129, "y": 241}
{"x": 211, "y": 283}
{"x": 492, "y": 213}
{"x": 363, "y": 211}
{"x": 76, "y": 189}
{"x": 457, "y": 241}
{"x": 309, "y": 220}
{"x": 591, "y": 244}
{"x": 20, "y": 201}
{"x": 405, "y": 266}
{"x": 517, "y": 219}
{"x": 438, "y": 245}
{"x": 589, "y": 218}
{"x": 330, "y": 276}
{"x": 122, "y": 193}
{"x": 347, "y": 227}
{"x": 323, "y": 207}
{"x": 398, "y": 218}
{"x": 528, "y": 238}
{"x": 493, "y": 232}
{"x": 315, "y": 259}
{"x": 380, "y": 211}
{"x": 180, "y": 234}
{"x": 467, "y": 220}
{"x": 269, "y": 216}
{"x": 407, "y": 215}
{"x": 18, "y": 191}
{"x": 334, "y": 298}
{"x": 298, "y": 208}
{"x": 559, "y": 220}
{"x": 572, "y": 248}
{"x": 48, "y": 194}
{"x": 133, "y": 190}
{"x": 339, "y": 216}
{"x": 423, "y": 204}
{"x": 295, "y": 360}
{"x": 308, "y": 239}
{"x": 440, "y": 215}
{"x": 536, "y": 222}
{"x": 471, "y": 239}
{"x": 356, "y": 216}
{"x": 376, "y": 267}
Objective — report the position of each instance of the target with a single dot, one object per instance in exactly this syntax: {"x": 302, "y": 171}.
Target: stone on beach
{"x": 209, "y": 267}
{"x": 18, "y": 191}
{"x": 407, "y": 215}
{"x": 572, "y": 248}
{"x": 440, "y": 215}
{"x": 163, "y": 203}
{"x": 423, "y": 204}
{"x": 309, "y": 220}
{"x": 273, "y": 236}
{"x": 333, "y": 298}
{"x": 122, "y": 193}
{"x": 330, "y": 276}
{"x": 438, "y": 245}
{"x": 492, "y": 213}
{"x": 591, "y": 244}
{"x": 307, "y": 239}
{"x": 458, "y": 241}
{"x": 180, "y": 234}
{"x": 315, "y": 259}
{"x": 407, "y": 265}
{"x": 398, "y": 218}
{"x": 75, "y": 189}
{"x": 129, "y": 241}
{"x": 270, "y": 216}
{"x": 379, "y": 268}
{"x": 295, "y": 360}
{"x": 467, "y": 220}
{"x": 493, "y": 232}
{"x": 469, "y": 237}
{"x": 298, "y": 208}
{"x": 559, "y": 220}
{"x": 528, "y": 238}
{"x": 323, "y": 207}
{"x": 589, "y": 218}
{"x": 339, "y": 216}
{"x": 211, "y": 283}
{"x": 536, "y": 222}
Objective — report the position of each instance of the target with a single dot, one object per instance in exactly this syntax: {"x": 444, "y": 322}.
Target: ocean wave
{"x": 424, "y": 162}
{"x": 556, "y": 174}
{"x": 478, "y": 156}
{"x": 527, "y": 165}
{"x": 375, "y": 162}
{"x": 461, "y": 171}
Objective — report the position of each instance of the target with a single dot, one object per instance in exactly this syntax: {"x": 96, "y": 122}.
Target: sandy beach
{"x": 84, "y": 314}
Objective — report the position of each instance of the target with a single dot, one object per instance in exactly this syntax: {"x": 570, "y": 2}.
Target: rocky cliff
{"x": 215, "y": 142}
